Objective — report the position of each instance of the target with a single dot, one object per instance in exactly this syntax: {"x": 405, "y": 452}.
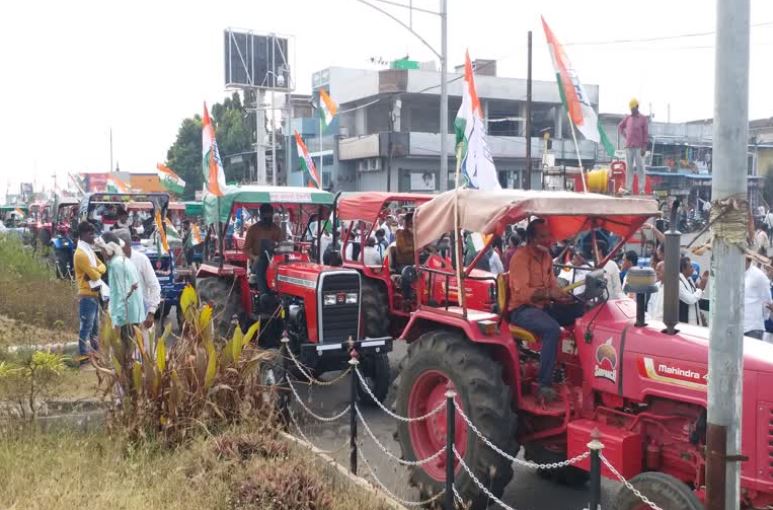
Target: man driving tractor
{"x": 262, "y": 236}
{"x": 537, "y": 303}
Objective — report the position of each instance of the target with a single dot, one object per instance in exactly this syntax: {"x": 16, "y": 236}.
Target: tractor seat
{"x": 503, "y": 295}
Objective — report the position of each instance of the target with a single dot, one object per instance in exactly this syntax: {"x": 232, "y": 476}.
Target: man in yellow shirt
{"x": 88, "y": 273}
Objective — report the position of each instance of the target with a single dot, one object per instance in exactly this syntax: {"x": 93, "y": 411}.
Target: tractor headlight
{"x": 351, "y": 298}
{"x": 329, "y": 299}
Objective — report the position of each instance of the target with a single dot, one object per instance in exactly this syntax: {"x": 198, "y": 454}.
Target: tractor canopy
{"x": 567, "y": 213}
{"x": 128, "y": 200}
{"x": 218, "y": 209}
{"x": 368, "y": 205}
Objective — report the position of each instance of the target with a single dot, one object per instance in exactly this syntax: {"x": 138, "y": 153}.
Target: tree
{"x": 234, "y": 130}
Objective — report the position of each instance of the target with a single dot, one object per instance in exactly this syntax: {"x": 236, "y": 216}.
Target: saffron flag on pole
{"x": 211, "y": 165}
{"x": 327, "y": 108}
{"x": 170, "y": 180}
{"x": 472, "y": 153}
{"x": 573, "y": 95}
{"x": 307, "y": 163}
{"x": 116, "y": 185}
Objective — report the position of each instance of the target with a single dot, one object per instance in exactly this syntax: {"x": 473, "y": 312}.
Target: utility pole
{"x": 527, "y": 123}
{"x": 260, "y": 135}
{"x": 443, "y": 95}
{"x": 725, "y": 385}
{"x": 111, "y": 150}
{"x": 273, "y": 141}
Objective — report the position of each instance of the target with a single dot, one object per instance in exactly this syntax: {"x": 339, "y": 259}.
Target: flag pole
{"x": 457, "y": 238}
{"x": 577, "y": 150}
{"x": 319, "y": 171}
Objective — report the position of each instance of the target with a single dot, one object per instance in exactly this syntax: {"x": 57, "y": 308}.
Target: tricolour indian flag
{"x": 327, "y": 108}
{"x": 170, "y": 180}
{"x": 307, "y": 163}
{"x": 211, "y": 165}
{"x": 573, "y": 95}
{"x": 116, "y": 185}
{"x": 472, "y": 154}
{"x": 163, "y": 243}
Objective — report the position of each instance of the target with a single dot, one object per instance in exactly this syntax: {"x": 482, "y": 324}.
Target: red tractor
{"x": 642, "y": 386}
{"x": 362, "y": 214}
{"x": 320, "y": 308}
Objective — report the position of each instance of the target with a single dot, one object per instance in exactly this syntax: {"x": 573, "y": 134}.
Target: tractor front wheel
{"x": 662, "y": 489}
{"x": 376, "y": 372}
{"x": 436, "y": 362}
{"x": 223, "y": 296}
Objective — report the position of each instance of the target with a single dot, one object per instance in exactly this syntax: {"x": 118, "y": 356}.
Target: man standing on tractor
{"x": 636, "y": 132}
{"x": 404, "y": 243}
{"x": 533, "y": 286}
{"x": 262, "y": 236}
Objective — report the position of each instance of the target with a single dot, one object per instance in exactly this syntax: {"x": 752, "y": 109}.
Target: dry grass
{"x": 19, "y": 332}
{"x": 44, "y": 471}
{"x": 46, "y": 303}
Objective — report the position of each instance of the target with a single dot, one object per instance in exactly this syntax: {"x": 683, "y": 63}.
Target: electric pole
{"x": 444, "y": 177}
{"x": 730, "y": 138}
{"x": 527, "y": 115}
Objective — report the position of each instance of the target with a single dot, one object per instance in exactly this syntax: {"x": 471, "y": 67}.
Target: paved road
{"x": 526, "y": 491}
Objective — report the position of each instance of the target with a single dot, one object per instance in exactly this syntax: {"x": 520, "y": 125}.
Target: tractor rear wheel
{"x": 375, "y": 309}
{"x": 223, "y": 296}
{"x": 662, "y": 489}
{"x": 434, "y": 360}
{"x": 375, "y": 317}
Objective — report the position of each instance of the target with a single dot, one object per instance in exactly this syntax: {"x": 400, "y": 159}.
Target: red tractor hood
{"x": 638, "y": 362}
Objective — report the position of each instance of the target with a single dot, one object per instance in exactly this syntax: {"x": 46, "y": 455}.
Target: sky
{"x": 74, "y": 70}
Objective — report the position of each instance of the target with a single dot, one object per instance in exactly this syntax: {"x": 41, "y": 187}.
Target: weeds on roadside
{"x": 29, "y": 379}
{"x": 199, "y": 384}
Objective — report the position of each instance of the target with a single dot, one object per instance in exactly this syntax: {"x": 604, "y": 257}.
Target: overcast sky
{"x": 72, "y": 70}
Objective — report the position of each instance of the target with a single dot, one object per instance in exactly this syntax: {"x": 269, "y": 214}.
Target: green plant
{"x": 29, "y": 379}
{"x": 198, "y": 383}
{"x": 19, "y": 261}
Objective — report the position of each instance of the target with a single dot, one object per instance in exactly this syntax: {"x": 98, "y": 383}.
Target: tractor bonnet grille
{"x": 341, "y": 320}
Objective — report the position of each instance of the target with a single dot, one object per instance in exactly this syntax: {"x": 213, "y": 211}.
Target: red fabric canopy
{"x": 367, "y": 206}
{"x": 567, "y": 213}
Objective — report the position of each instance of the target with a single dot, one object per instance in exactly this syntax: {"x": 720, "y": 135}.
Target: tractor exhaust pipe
{"x": 671, "y": 273}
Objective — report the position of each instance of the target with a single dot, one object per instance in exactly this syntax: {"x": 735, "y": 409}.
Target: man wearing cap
{"x": 636, "y": 133}
{"x": 151, "y": 288}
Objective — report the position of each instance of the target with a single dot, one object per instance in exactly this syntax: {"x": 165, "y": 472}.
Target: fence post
{"x": 450, "y": 440}
{"x": 353, "y": 362}
{"x": 595, "y": 447}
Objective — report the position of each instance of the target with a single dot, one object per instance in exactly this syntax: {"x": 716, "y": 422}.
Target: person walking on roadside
{"x": 88, "y": 273}
{"x": 151, "y": 288}
{"x": 635, "y": 130}
{"x": 690, "y": 293}
{"x": 756, "y": 300}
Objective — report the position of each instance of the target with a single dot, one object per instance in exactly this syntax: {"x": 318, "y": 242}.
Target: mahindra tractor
{"x": 392, "y": 303}
{"x": 642, "y": 387}
{"x": 320, "y": 309}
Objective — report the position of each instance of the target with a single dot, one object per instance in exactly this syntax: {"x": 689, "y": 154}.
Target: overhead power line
{"x": 655, "y": 39}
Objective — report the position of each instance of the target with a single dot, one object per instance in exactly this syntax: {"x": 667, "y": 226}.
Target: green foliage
{"x": 18, "y": 261}
{"x": 169, "y": 392}
{"x": 235, "y": 131}
{"x": 30, "y": 378}
{"x": 29, "y": 292}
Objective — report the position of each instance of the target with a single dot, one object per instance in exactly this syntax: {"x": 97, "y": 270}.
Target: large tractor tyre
{"x": 432, "y": 360}
{"x": 43, "y": 238}
{"x": 376, "y": 372}
{"x": 569, "y": 476}
{"x": 662, "y": 489}
{"x": 375, "y": 309}
{"x": 223, "y": 296}
{"x": 275, "y": 391}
